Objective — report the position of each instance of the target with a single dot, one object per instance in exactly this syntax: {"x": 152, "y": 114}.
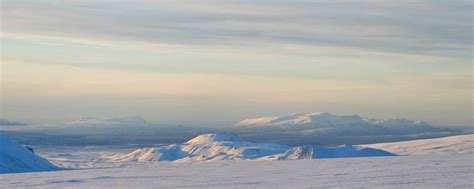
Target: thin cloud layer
{"x": 436, "y": 28}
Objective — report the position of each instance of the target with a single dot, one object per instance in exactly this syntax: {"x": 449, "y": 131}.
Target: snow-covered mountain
{"x": 436, "y": 146}
{"x": 15, "y": 158}
{"x": 314, "y": 122}
{"x": 228, "y": 146}
{"x": 324, "y": 120}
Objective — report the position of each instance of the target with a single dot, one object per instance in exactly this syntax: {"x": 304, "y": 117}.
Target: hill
{"x": 15, "y": 158}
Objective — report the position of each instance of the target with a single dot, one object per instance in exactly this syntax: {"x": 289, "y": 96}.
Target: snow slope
{"x": 445, "y": 146}
{"x": 15, "y": 158}
{"x": 228, "y": 146}
{"x": 431, "y": 171}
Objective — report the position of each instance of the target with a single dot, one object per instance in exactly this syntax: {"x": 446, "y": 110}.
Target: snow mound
{"x": 228, "y": 146}
{"x": 215, "y": 137}
{"x": 438, "y": 146}
{"x": 15, "y": 158}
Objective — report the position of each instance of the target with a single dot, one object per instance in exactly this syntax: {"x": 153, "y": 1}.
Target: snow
{"x": 450, "y": 171}
{"x": 15, "y": 158}
{"x": 228, "y": 146}
{"x": 438, "y": 146}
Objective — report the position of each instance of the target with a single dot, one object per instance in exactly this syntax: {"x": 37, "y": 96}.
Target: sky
{"x": 214, "y": 62}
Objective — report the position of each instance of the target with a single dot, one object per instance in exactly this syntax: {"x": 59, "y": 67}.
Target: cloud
{"x": 435, "y": 28}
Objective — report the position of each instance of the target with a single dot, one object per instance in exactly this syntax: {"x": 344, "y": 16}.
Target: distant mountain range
{"x": 323, "y": 129}
{"x": 326, "y": 121}
{"x": 327, "y": 129}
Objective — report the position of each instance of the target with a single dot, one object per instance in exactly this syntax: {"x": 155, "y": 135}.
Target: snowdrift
{"x": 228, "y": 146}
{"x": 439, "y": 146}
{"x": 15, "y": 158}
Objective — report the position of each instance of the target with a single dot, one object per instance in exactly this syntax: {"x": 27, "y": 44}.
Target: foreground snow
{"x": 452, "y": 171}
{"x": 445, "y": 145}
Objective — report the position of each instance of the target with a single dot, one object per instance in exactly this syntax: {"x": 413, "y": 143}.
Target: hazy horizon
{"x": 223, "y": 61}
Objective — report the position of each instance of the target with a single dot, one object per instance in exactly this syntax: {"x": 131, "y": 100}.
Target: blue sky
{"x": 213, "y": 62}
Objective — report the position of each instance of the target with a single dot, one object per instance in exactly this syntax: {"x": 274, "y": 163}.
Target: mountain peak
{"x": 215, "y": 137}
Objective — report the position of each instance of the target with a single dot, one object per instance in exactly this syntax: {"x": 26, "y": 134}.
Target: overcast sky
{"x": 215, "y": 62}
